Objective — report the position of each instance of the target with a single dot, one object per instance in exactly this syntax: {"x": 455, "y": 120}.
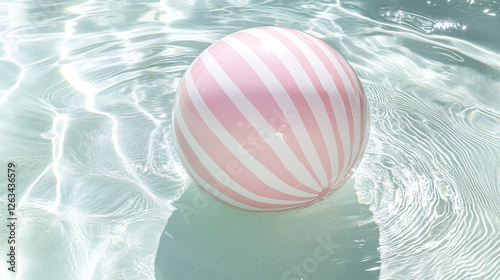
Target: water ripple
{"x": 86, "y": 96}
{"x": 432, "y": 163}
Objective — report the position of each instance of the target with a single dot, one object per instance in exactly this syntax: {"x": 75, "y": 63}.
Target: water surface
{"x": 86, "y": 91}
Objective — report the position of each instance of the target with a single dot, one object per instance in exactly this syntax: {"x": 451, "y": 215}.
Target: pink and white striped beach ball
{"x": 270, "y": 119}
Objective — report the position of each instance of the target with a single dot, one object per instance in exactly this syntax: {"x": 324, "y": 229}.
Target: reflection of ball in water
{"x": 269, "y": 119}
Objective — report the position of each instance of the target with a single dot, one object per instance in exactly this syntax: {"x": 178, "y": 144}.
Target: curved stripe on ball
{"x": 270, "y": 119}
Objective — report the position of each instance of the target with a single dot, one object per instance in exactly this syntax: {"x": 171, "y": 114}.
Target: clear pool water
{"x": 86, "y": 91}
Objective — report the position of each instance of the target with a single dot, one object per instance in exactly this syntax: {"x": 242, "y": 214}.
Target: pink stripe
{"x": 269, "y": 209}
{"x": 346, "y": 64}
{"x": 283, "y": 208}
{"x": 338, "y": 83}
{"x": 259, "y": 95}
{"x": 234, "y": 121}
{"x": 325, "y": 97}
{"x": 360, "y": 94}
{"x": 299, "y": 100}
{"x": 203, "y": 173}
{"x": 218, "y": 152}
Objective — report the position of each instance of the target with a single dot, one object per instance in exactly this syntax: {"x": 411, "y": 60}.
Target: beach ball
{"x": 270, "y": 119}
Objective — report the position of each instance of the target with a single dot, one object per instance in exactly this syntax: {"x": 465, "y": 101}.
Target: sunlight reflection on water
{"x": 86, "y": 93}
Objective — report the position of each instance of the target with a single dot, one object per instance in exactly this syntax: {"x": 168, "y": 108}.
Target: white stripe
{"x": 362, "y": 98}
{"x": 266, "y": 176}
{"x": 285, "y": 103}
{"x": 209, "y": 187}
{"x": 353, "y": 75}
{"x": 354, "y": 101}
{"x": 327, "y": 83}
{"x": 215, "y": 170}
{"x": 306, "y": 87}
{"x": 351, "y": 87}
{"x": 337, "y": 108}
{"x": 277, "y": 144}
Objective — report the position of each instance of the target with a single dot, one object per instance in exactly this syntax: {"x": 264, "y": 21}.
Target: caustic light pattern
{"x": 270, "y": 119}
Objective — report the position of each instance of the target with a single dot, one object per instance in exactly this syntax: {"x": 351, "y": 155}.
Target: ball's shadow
{"x": 206, "y": 239}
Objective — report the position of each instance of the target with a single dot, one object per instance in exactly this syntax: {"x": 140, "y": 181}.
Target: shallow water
{"x": 86, "y": 91}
